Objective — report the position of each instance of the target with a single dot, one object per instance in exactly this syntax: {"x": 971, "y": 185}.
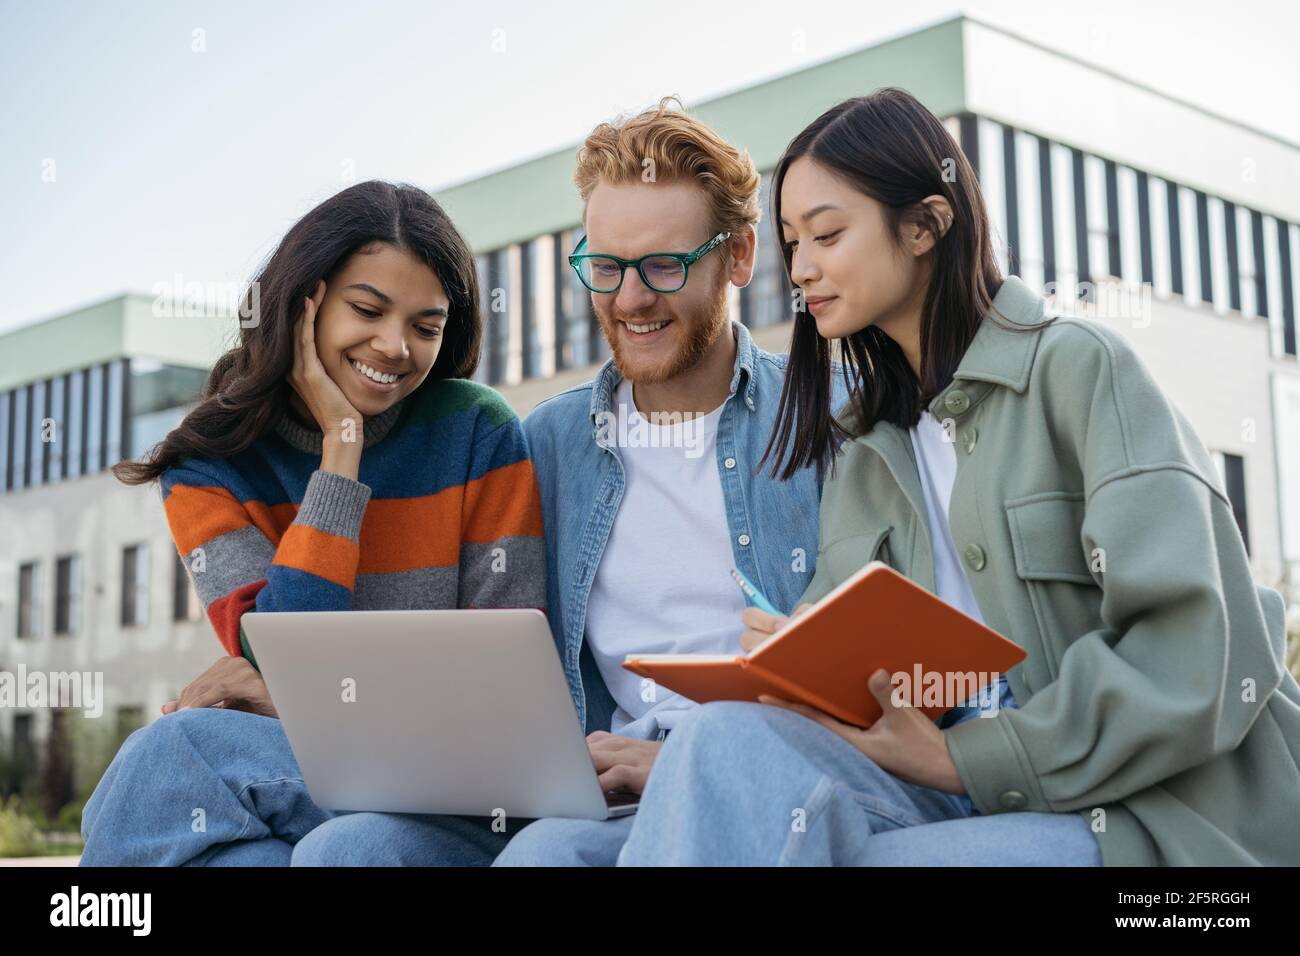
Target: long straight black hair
{"x": 248, "y": 390}
{"x": 893, "y": 149}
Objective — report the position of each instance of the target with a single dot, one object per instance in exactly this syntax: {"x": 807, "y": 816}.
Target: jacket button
{"x": 1012, "y": 800}
{"x": 974, "y": 555}
{"x": 957, "y": 401}
{"x": 969, "y": 439}
{"x": 744, "y": 540}
{"x": 730, "y": 463}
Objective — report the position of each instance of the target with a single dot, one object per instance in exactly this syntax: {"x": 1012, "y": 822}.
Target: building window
{"x": 993, "y": 185}
{"x": 185, "y": 603}
{"x": 763, "y": 301}
{"x": 24, "y": 752}
{"x": 115, "y": 424}
{"x": 18, "y": 438}
{"x": 1289, "y": 280}
{"x": 1189, "y": 217}
{"x": 74, "y": 435}
{"x": 158, "y": 398}
{"x": 6, "y": 436}
{"x": 1028, "y": 255}
{"x": 29, "y": 599}
{"x": 539, "y": 319}
{"x": 94, "y": 419}
{"x": 530, "y": 361}
{"x": 67, "y": 595}
{"x": 55, "y": 402}
{"x": 1097, "y": 215}
{"x": 135, "y": 585}
{"x": 36, "y": 434}
{"x": 1232, "y": 471}
{"x": 1173, "y": 221}
{"x": 496, "y": 316}
{"x": 481, "y": 269}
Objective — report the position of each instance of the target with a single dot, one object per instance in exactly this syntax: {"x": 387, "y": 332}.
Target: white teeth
{"x": 653, "y": 326}
{"x": 384, "y": 378}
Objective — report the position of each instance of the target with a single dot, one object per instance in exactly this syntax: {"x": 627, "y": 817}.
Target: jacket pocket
{"x": 1045, "y": 535}
{"x": 845, "y": 556}
{"x": 1062, "y": 593}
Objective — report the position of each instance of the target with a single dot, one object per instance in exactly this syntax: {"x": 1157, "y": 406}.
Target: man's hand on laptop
{"x": 622, "y": 763}
{"x": 231, "y": 682}
{"x": 759, "y": 625}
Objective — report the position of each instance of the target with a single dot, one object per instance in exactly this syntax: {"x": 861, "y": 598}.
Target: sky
{"x": 147, "y": 141}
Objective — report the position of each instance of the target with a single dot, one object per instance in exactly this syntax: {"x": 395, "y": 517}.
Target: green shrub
{"x": 69, "y": 818}
{"x": 19, "y": 835}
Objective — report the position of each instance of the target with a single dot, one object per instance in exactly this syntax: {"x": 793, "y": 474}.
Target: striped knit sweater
{"x": 445, "y": 514}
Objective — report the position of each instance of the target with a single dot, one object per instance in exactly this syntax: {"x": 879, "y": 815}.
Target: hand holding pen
{"x": 763, "y": 619}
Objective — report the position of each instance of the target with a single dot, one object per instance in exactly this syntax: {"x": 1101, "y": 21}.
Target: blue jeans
{"x": 217, "y": 787}
{"x": 750, "y": 784}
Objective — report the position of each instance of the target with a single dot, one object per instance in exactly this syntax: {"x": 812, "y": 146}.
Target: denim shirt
{"x": 773, "y": 524}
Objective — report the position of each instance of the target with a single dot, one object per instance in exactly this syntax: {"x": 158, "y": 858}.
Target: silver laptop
{"x": 453, "y": 712}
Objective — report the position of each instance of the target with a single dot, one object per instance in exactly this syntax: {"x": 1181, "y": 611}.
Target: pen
{"x": 754, "y": 594}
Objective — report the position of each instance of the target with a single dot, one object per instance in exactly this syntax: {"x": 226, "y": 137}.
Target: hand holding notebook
{"x": 824, "y": 658}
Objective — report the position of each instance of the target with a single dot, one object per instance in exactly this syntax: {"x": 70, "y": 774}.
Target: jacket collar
{"x": 609, "y": 377}
{"x": 998, "y": 355}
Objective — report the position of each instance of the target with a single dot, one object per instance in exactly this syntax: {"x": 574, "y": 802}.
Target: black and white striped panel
{"x": 1061, "y": 216}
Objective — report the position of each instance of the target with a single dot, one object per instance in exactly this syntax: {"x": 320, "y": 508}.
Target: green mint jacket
{"x": 1096, "y": 534}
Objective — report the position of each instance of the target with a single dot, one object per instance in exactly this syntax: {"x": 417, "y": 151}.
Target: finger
{"x": 168, "y": 707}
{"x": 609, "y": 749}
{"x": 760, "y": 620}
{"x": 802, "y": 608}
{"x": 602, "y": 760}
{"x": 203, "y": 694}
{"x": 307, "y": 329}
{"x": 883, "y": 690}
{"x": 750, "y": 638}
{"x": 617, "y": 778}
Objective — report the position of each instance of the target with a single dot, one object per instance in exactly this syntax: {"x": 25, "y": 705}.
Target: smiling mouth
{"x": 382, "y": 380}
{"x": 644, "y": 328}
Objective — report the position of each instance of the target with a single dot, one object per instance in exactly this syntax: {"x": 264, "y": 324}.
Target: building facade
{"x": 1174, "y": 226}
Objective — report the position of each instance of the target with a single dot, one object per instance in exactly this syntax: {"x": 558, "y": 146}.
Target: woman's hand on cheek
{"x": 335, "y": 415}
{"x": 903, "y": 741}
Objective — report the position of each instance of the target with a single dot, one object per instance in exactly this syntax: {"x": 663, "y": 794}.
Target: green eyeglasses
{"x": 660, "y": 271}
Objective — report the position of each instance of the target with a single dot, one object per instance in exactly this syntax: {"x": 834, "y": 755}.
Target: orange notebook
{"x": 823, "y": 658}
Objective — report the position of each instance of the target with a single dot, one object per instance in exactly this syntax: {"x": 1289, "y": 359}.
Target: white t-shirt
{"x": 936, "y": 460}
{"x": 664, "y": 584}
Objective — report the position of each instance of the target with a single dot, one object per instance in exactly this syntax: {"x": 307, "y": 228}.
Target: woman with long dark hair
{"x": 1029, "y": 472}
{"x": 339, "y": 458}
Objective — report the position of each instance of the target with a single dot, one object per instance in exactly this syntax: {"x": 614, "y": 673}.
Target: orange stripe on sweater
{"x": 398, "y": 534}
{"x": 199, "y": 514}
{"x": 319, "y": 553}
{"x": 503, "y": 502}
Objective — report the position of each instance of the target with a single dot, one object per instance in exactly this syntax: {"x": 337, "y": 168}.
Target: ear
{"x": 740, "y": 251}
{"x": 918, "y": 234}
